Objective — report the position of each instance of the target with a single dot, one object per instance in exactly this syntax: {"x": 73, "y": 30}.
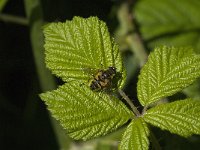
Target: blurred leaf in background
{"x": 2, "y": 4}
{"x": 169, "y": 22}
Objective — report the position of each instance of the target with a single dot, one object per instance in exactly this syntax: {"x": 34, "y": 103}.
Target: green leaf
{"x": 86, "y": 114}
{"x": 136, "y": 136}
{"x": 167, "y": 71}
{"x": 169, "y": 22}
{"x": 2, "y": 4}
{"x": 179, "y": 117}
{"x": 77, "y": 49}
{"x": 193, "y": 90}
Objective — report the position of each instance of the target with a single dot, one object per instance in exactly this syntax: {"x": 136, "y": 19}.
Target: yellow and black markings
{"x": 103, "y": 79}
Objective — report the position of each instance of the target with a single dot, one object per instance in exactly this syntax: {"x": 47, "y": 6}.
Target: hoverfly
{"x": 103, "y": 79}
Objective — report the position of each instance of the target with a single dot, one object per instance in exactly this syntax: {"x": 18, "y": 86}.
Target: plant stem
{"x": 128, "y": 32}
{"x": 135, "y": 43}
{"x": 14, "y": 19}
{"x": 126, "y": 98}
{"x": 130, "y": 37}
{"x": 154, "y": 141}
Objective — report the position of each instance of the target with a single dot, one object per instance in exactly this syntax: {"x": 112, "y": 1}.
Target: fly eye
{"x": 114, "y": 69}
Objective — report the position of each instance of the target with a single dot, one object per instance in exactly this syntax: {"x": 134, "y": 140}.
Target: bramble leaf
{"x": 168, "y": 23}
{"x": 179, "y": 117}
{"x": 79, "y": 48}
{"x": 136, "y": 136}
{"x": 86, "y": 114}
{"x": 167, "y": 71}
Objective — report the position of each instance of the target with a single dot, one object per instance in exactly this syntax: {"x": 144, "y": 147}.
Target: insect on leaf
{"x": 86, "y": 114}
{"x": 77, "y": 49}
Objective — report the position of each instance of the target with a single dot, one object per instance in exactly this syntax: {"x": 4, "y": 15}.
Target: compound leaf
{"x": 86, "y": 114}
{"x": 77, "y": 49}
{"x": 167, "y": 71}
{"x": 179, "y": 117}
{"x": 136, "y": 136}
